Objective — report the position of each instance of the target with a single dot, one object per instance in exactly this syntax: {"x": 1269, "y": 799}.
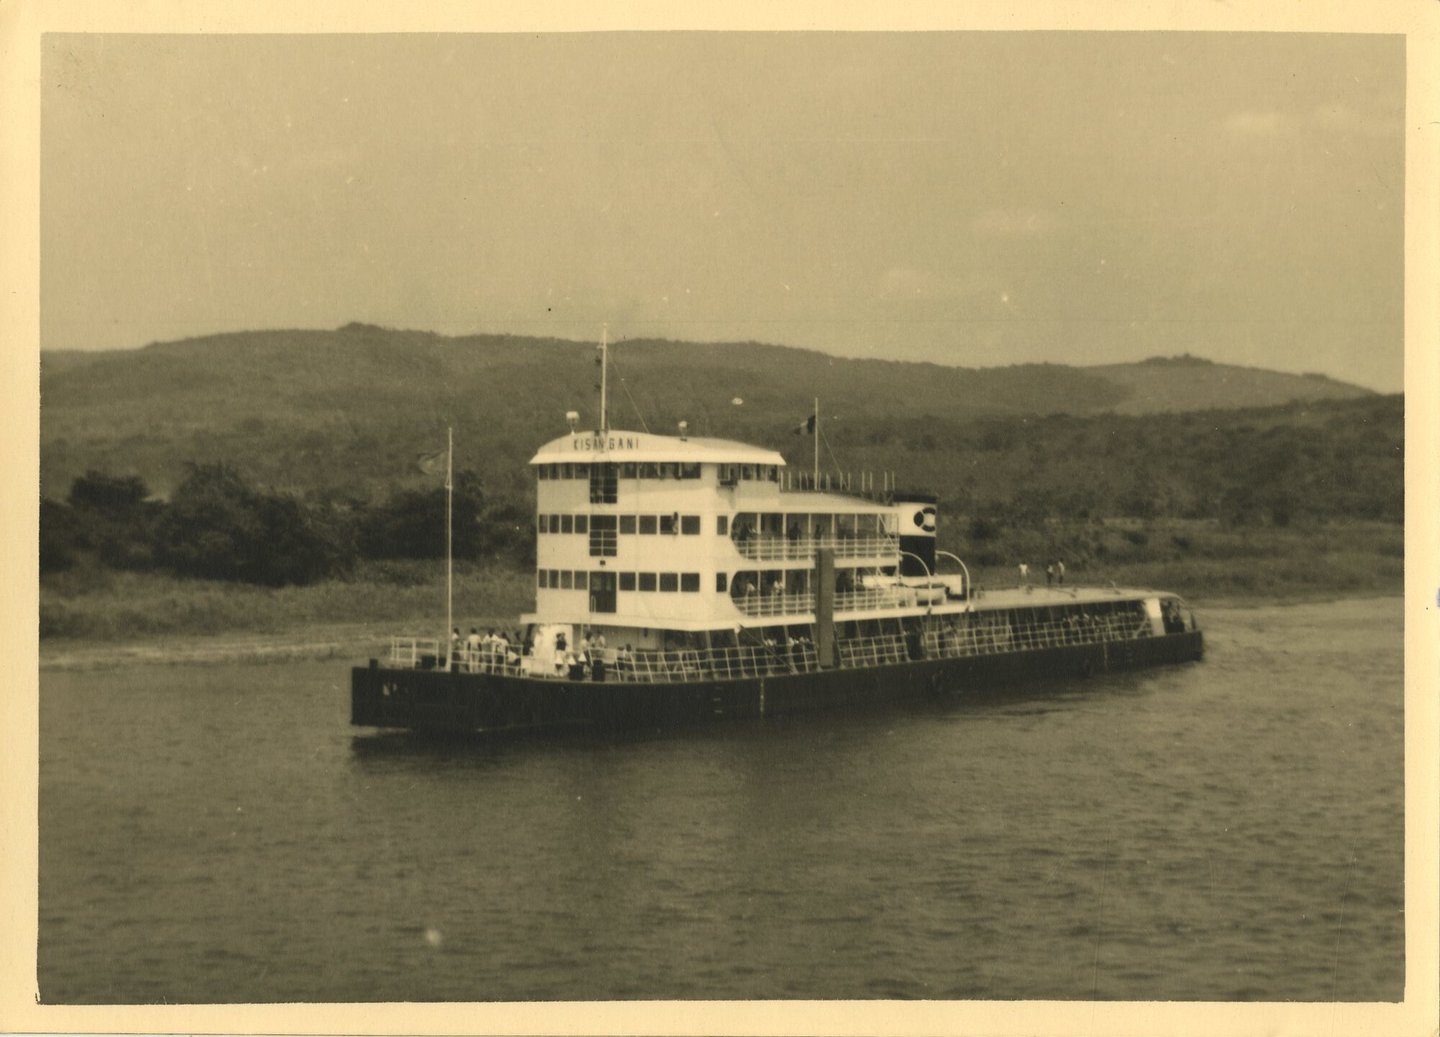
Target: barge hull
{"x": 440, "y": 702}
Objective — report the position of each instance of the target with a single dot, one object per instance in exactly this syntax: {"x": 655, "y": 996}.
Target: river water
{"x": 1231, "y": 830}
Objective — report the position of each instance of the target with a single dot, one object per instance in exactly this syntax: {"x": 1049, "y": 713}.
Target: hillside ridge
{"x": 350, "y": 408}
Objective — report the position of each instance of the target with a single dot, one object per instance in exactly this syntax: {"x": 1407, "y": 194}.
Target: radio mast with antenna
{"x": 604, "y": 374}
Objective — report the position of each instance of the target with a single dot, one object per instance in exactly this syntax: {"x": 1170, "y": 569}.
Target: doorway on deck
{"x": 602, "y": 592}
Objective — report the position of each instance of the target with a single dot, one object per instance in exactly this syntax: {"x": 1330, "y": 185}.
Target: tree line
{"x": 218, "y": 525}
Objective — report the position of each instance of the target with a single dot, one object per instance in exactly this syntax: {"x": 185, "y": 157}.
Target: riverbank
{"x": 354, "y": 643}
{"x": 98, "y": 618}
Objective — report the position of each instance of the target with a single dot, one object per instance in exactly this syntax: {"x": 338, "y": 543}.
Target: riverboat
{"x": 685, "y": 580}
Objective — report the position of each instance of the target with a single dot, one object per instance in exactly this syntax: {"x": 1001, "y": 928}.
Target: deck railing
{"x": 845, "y": 601}
{"x": 985, "y": 638}
{"x": 695, "y": 664}
{"x": 772, "y": 547}
{"x": 972, "y": 634}
{"x": 873, "y": 651}
{"x": 428, "y": 653}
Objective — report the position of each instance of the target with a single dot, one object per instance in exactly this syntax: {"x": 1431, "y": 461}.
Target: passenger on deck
{"x": 472, "y": 649}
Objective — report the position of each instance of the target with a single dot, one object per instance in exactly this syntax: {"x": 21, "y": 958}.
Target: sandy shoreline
{"x": 357, "y": 642}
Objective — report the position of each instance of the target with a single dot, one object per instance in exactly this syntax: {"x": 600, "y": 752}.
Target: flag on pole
{"x": 431, "y": 464}
{"x": 807, "y": 426}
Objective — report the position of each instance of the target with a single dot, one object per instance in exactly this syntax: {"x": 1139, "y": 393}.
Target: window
{"x": 581, "y": 523}
{"x": 650, "y": 471}
{"x": 564, "y": 471}
{"x": 603, "y": 483}
{"x": 690, "y": 470}
{"x": 554, "y": 579}
{"x": 602, "y": 536}
{"x": 627, "y": 581}
{"x": 690, "y": 524}
{"x": 542, "y": 523}
{"x": 628, "y": 470}
{"x": 540, "y": 577}
{"x": 542, "y": 471}
{"x": 567, "y": 523}
{"x": 668, "y": 470}
{"x": 627, "y": 523}
{"x": 567, "y": 579}
{"x": 647, "y": 523}
{"x": 720, "y": 583}
{"x": 582, "y": 471}
{"x": 647, "y": 581}
{"x": 669, "y": 523}
{"x": 669, "y": 581}
{"x": 722, "y": 524}
{"x": 690, "y": 582}
{"x": 581, "y": 581}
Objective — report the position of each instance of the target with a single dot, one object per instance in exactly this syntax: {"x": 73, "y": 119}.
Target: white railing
{"x": 408, "y": 651}
{"x": 415, "y": 652}
{"x": 992, "y": 634}
{"x": 696, "y": 664}
{"x": 845, "y": 601}
{"x": 873, "y": 651}
{"x": 771, "y": 547}
{"x": 967, "y": 635}
{"x": 775, "y": 604}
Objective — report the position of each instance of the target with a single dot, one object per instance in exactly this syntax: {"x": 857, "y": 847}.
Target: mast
{"x": 816, "y": 429}
{"x": 604, "y": 374}
{"x": 449, "y": 538}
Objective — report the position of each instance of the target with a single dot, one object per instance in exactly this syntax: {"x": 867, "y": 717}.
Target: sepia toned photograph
{"x": 616, "y": 517}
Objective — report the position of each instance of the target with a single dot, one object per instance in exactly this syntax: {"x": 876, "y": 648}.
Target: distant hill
{"x": 1188, "y": 383}
{"x": 349, "y": 410}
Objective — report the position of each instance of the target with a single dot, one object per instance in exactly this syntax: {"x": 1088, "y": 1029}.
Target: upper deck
{"x": 620, "y": 447}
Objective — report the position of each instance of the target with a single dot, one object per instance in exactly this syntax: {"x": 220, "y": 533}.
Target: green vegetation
{"x": 286, "y": 491}
{"x": 96, "y": 604}
{"x": 348, "y": 411}
{"x": 1207, "y": 561}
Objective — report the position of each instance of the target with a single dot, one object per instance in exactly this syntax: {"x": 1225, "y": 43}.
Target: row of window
{"x": 628, "y": 470}
{"x": 645, "y": 524}
{"x": 609, "y": 471}
{"x": 579, "y": 579}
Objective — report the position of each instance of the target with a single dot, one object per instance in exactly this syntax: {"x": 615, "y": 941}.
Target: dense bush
{"x": 411, "y": 524}
{"x": 104, "y": 516}
{"x": 220, "y": 527}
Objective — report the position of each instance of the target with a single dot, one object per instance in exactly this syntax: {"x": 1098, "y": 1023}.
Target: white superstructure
{"x": 637, "y": 531}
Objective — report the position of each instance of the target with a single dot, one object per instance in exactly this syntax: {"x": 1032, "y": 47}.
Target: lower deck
{"x": 1015, "y": 623}
{"x": 458, "y": 701}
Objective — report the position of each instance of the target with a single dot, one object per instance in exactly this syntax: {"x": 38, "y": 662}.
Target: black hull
{"x": 438, "y": 702}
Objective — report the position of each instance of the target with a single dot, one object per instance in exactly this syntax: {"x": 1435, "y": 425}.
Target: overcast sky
{"x": 969, "y": 198}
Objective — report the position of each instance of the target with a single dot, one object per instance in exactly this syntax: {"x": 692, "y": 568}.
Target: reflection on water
{"x": 1229, "y": 830}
